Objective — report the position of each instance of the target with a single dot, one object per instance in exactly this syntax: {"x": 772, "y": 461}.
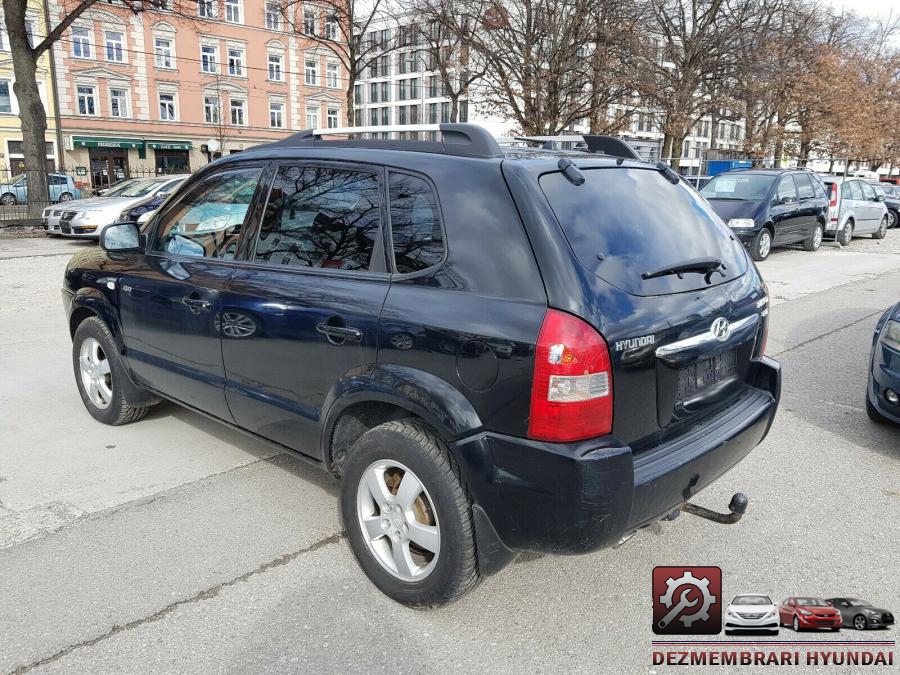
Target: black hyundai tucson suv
{"x": 494, "y": 351}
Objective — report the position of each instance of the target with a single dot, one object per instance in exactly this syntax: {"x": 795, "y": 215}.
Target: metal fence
{"x": 19, "y": 207}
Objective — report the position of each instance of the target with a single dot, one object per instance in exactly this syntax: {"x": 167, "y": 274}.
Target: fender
{"x": 436, "y": 401}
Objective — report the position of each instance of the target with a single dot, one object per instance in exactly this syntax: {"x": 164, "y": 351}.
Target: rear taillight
{"x": 832, "y": 204}
{"x": 572, "y": 391}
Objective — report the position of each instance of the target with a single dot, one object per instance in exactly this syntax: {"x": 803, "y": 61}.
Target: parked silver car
{"x": 50, "y": 216}
{"x": 88, "y": 217}
{"x": 854, "y": 209}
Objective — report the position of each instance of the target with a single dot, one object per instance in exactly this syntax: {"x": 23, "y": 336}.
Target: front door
{"x": 300, "y": 318}
{"x": 170, "y": 302}
{"x": 785, "y": 212}
{"x": 872, "y": 207}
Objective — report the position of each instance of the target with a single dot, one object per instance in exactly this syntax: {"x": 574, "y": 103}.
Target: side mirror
{"x": 879, "y": 198}
{"x": 121, "y": 238}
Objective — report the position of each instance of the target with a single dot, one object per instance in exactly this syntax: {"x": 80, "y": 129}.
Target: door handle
{"x": 197, "y": 305}
{"x": 342, "y": 333}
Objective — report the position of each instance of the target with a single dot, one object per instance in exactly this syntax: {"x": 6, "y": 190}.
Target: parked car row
{"x": 60, "y": 188}
{"x": 777, "y": 207}
{"x": 757, "y": 612}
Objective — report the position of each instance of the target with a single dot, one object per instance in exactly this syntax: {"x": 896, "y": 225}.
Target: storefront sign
{"x": 98, "y": 142}
{"x": 169, "y": 145}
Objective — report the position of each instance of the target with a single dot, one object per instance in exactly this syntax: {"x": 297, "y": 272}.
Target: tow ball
{"x": 737, "y": 506}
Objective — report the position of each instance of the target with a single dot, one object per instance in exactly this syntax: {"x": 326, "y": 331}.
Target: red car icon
{"x": 804, "y": 613}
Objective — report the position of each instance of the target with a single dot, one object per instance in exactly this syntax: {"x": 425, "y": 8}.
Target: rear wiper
{"x": 698, "y": 265}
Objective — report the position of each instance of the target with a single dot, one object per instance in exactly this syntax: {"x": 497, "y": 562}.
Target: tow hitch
{"x": 737, "y": 506}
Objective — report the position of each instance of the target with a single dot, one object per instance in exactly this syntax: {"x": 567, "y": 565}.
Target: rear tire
{"x": 65, "y": 197}
{"x": 761, "y": 245}
{"x": 379, "y": 462}
{"x": 100, "y": 375}
{"x": 814, "y": 240}
{"x": 893, "y": 216}
{"x": 846, "y": 234}
{"x": 8, "y": 199}
{"x": 882, "y": 229}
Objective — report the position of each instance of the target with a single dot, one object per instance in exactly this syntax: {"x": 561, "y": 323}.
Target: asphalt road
{"x": 176, "y": 544}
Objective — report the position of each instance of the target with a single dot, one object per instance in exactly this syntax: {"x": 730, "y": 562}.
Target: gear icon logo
{"x": 687, "y": 600}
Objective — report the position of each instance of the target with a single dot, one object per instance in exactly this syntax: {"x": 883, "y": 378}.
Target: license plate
{"x": 702, "y": 374}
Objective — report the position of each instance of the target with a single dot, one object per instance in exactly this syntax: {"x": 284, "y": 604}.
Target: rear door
{"x": 299, "y": 318}
{"x": 170, "y": 298}
{"x": 785, "y": 212}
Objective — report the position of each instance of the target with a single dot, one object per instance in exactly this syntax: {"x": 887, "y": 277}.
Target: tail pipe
{"x": 737, "y": 507}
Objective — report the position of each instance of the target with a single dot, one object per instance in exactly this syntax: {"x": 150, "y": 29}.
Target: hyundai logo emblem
{"x": 720, "y": 329}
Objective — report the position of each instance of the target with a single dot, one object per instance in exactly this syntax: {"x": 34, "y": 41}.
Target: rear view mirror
{"x": 121, "y": 238}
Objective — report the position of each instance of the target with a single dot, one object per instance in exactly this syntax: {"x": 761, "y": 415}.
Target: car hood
{"x": 728, "y": 208}
{"x": 75, "y": 204}
{"x": 871, "y": 609}
{"x": 105, "y": 203}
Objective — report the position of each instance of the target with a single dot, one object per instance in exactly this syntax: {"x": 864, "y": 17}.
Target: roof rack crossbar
{"x": 463, "y": 140}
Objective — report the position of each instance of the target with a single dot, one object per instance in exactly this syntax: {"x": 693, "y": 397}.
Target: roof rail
{"x": 461, "y": 140}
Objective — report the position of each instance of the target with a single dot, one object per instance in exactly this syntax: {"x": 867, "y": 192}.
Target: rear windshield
{"x": 624, "y": 222}
{"x": 752, "y": 186}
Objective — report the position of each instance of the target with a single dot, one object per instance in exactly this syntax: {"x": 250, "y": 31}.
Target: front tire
{"x": 796, "y": 624}
{"x": 814, "y": 240}
{"x": 846, "y": 235}
{"x": 8, "y": 199}
{"x": 408, "y": 516}
{"x": 873, "y": 413}
{"x": 892, "y": 218}
{"x": 100, "y": 375}
{"x": 761, "y": 245}
{"x": 882, "y": 229}
{"x": 859, "y": 622}
{"x": 65, "y": 197}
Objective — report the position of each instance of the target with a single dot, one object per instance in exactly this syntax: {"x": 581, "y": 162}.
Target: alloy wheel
{"x": 765, "y": 244}
{"x": 96, "y": 377}
{"x": 7, "y": 200}
{"x": 859, "y": 623}
{"x": 892, "y": 219}
{"x": 848, "y": 233}
{"x": 65, "y": 197}
{"x": 817, "y": 238}
{"x": 882, "y": 229}
{"x": 398, "y": 520}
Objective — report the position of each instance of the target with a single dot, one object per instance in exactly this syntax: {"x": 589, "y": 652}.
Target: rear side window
{"x": 321, "y": 217}
{"x": 415, "y": 225}
{"x": 624, "y": 222}
{"x": 804, "y": 186}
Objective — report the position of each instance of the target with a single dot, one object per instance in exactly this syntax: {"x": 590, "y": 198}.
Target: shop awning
{"x": 169, "y": 145}
{"x": 101, "y": 142}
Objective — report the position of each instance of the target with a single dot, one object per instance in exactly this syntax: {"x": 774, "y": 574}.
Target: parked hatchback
{"x": 854, "y": 209}
{"x": 770, "y": 207}
{"x": 486, "y": 348}
{"x": 60, "y": 188}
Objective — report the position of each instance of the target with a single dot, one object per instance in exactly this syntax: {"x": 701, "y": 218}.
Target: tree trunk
{"x": 831, "y": 165}
{"x": 779, "y": 151}
{"x": 667, "y": 147}
{"x": 677, "y": 147}
{"x": 351, "y": 87}
{"x": 31, "y": 109}
{"x": 454, "y": 109}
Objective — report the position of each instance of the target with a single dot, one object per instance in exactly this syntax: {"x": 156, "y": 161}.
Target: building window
{"x": 386, "y": 65}
{"x": 276, "y": 72}
{"x": 276, "y": 115}
{"x": 358, "y": 95}
{"x": 115, "y": 47}
{"x": 402, "y": 90}
{"x": 167, "y": 107}
{"x": 206, "y": 9}
{"x": 165, "y": 54}
{"x": 309, "y": 21}
{"x": 312, "y": 72}
{"x": 332, "y": 75}
{"x": 237, "y": 107}
{"x": 445, "y": 111}
{"x": 236, "y": 62}
{"x": 211, "y": 109}
{"x": 234, "y": 11}
{"x": 331, "y": 28}
{"x": 209, "y": 59}
{"x": 432, "y": 113}
{"x": 385, "y": 92}
{"x": 373, "y": 116}
{"x": 87, "y": 101}
{"x": 357, "y": 118}
{"x": 334, "y": 118}
{"x": 5, "y": 97}
{"x": 81, "y": 43}
{"x": 312, "y": 117}
{"x": 273, "y": 16}
{"x": 118, "y": 102}
{"x": 414, "y": 88}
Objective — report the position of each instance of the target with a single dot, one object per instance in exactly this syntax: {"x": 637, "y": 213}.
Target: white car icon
{"x": 751, "y": 611}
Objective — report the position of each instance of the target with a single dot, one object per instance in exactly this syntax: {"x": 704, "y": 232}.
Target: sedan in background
{"x": 883, "y": 391}
{"x": 751, "y": 612}
{"x": 809, "y": 613}
{"x": 891, "y": 201}
{"x": 861, "y": 614}
{"x": 88, "y": 218}
{"x": 770, "y": 207}
{"x": 133, "y": 213}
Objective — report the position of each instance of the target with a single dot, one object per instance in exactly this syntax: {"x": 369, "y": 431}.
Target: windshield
{"x": 747, "y": 186}
{"x": 859, "y": 603}
{"x": 118, "y": 188}
{"x": 751, "y": 600}
{"x": 811, "y": 602}
{"x": 140, "y": 188}
{"x": 624, "y": 222}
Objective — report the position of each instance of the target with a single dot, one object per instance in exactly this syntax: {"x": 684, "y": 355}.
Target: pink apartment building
{"x": 152, "y": 92}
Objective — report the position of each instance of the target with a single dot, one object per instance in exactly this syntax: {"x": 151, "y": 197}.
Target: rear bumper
{"x": 580, "y": 497}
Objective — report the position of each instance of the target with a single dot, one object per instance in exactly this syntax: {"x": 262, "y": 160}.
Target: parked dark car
{"x": 770, "y": 207}
{"x": 809, "y": 613}
{"x": 490, "y": 352}
{"x": 891, "y": 195}
{"x": 861, "y": 614}
{"x": 883, "y": 391}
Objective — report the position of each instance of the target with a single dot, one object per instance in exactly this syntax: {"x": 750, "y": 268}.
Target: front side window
{"x": 276, "y": 115}
{"x": 321, "y": 217}
{"x": 868, "y": 191}
{"x": 276, "y": 70}
{"x": 234, "y": 11}
{"x": 167, "y": 107}
{"x": 207, "y": 221}
{"x": 118, "y": 102}
{"x": 238, "y": 112}
{"x": 786, "y": 190}
{"x": 209, "y": 59}
{"x": 415, "y": 225}
{"x": 165, "y": 54}
{"x": 236, "y": 62}
{"x": 81, "y": 43}
{"x": 115, "y": 47}
{"x": 87, "y": 100}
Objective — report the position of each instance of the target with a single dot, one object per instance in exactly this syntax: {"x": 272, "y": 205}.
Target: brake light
{"x": 572, "y": 390}
{"x": 832, "y": 204}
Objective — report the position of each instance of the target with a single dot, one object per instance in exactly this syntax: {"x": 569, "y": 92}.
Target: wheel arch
{"x": 89, "y": 302}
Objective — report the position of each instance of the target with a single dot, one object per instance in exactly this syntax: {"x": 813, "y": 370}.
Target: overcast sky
{"x": 869, "y": 7}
